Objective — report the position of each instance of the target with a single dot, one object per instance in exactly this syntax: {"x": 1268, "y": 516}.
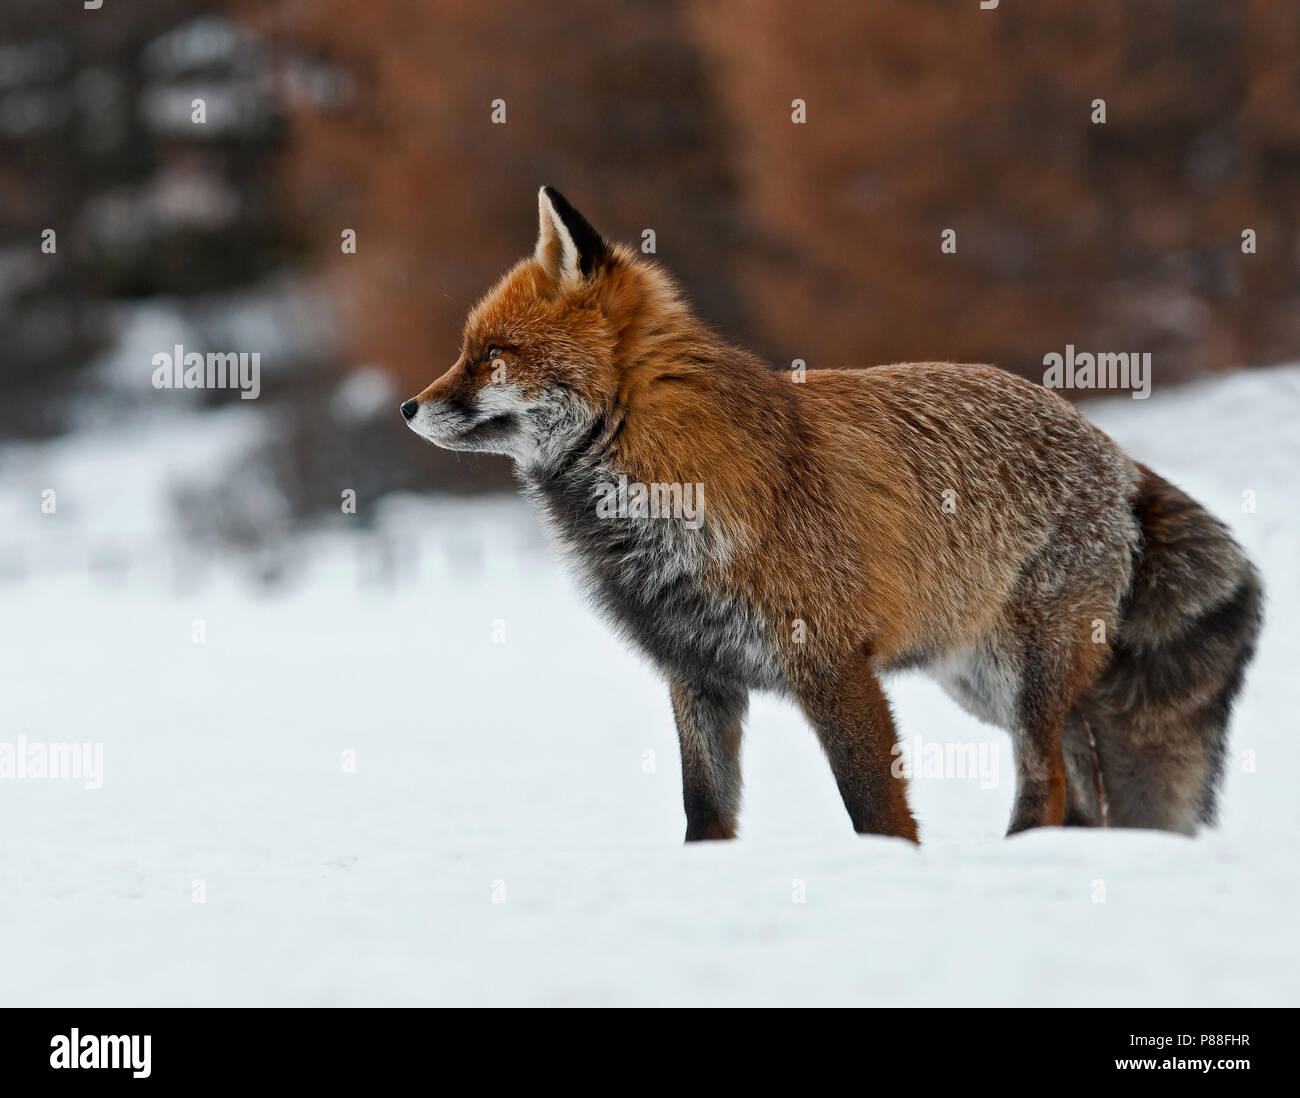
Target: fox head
{"x": 540, "y": 360}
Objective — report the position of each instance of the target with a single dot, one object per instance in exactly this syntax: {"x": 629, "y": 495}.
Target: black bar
{"x": 492, "y": 1048}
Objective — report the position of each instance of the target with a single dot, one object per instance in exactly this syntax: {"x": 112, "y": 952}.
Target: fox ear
{"x": 568, "y": 248}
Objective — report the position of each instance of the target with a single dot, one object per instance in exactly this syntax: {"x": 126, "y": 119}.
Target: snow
{"x": 511, "y": 833}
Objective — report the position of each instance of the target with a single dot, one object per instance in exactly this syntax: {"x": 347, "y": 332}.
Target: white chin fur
{"x": 456, "y": 430}
{"x": 543, "y": 426}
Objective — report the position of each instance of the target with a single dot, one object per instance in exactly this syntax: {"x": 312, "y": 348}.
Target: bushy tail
{"x": 1158, "y": 716}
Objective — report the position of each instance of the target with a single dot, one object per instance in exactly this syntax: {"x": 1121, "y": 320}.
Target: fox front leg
{"x": 850, "y": 714}
{"x": 708, "y": 729}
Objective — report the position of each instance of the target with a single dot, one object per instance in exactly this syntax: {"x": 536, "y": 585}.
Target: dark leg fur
{"x": 709, "y": 730}
{"x": 1050, "y": 640}
{"x": 1084, "y": 798}
{"x": 851, "y": 717}
{"x": 1040, "y": 760}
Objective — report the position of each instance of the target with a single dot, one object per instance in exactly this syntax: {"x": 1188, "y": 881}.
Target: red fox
{"x": 954, "y": 519}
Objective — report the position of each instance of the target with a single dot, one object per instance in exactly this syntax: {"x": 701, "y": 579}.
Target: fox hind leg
{"x": 1085, "y": 797}
{"x": 1056, "y": 775}
{"x": 1024, "y": 688}
{"x": 1040, "y": 773}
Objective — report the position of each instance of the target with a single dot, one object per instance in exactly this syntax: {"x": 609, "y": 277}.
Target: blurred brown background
{"x": 822, "y": 240}
{"x": 818, "y": 241}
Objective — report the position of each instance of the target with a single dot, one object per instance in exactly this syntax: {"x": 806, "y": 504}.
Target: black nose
{"x": 409, "y": 408}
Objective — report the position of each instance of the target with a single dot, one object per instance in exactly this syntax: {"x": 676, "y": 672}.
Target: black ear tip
{"x": 590, "y": 244}
{"x": 562, "y": 205}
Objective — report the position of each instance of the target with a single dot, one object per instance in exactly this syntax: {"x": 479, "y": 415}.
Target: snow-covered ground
{"x": 424, "y": 773}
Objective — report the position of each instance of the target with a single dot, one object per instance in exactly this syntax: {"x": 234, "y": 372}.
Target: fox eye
{"x": 492, "y": 352}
